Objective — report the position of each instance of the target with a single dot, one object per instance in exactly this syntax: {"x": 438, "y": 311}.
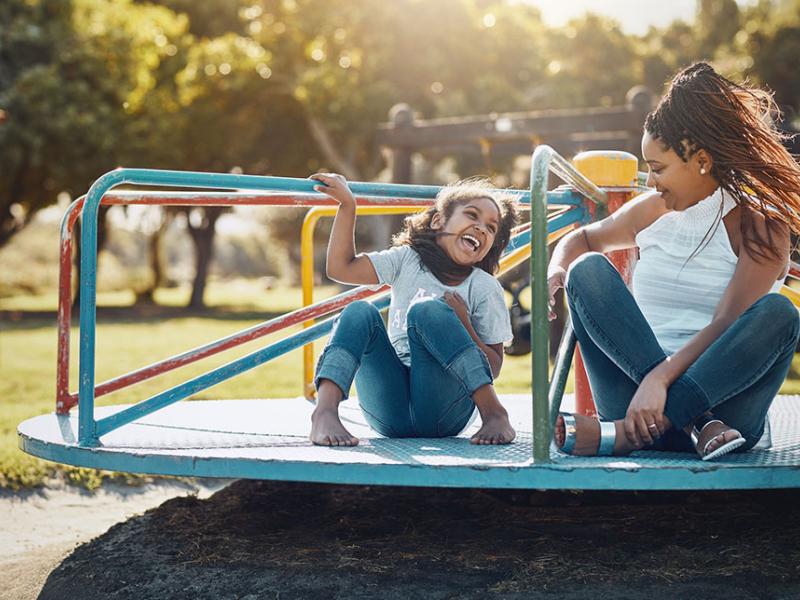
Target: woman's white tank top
{"x": 676, "y": 294}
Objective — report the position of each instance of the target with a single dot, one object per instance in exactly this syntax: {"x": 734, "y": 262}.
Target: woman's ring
{"x": 652, "y": 426}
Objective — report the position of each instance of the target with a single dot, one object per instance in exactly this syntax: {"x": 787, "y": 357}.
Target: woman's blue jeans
{"x": 736, "y": 378}
{"x": 432, "y": 397}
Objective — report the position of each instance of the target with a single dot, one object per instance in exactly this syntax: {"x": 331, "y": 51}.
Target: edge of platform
{"x": 558, "y": 475}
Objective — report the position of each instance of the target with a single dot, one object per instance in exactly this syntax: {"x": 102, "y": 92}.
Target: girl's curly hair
{"x": 735, "y": 125}
{"x": 418, "y": 234}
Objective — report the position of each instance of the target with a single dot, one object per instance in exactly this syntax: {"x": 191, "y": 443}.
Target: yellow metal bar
{"x": 792, "y": 294}
{"x": 307, "y": 271}
{"x": 307, "y": 268}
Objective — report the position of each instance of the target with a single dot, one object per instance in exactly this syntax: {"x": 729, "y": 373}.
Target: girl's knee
{"x": 358, "y": 318}
{"x": 360, "y": 310}
{"x": 428, "y": 311}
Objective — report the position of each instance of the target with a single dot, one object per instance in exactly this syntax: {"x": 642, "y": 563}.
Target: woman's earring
{"x": 702, "y": 170}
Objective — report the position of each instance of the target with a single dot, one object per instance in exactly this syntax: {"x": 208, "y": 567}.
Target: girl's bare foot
{"x": 496, "y": 429}
{"x": 327, "y": 429}
{"x": 587, "y": 436}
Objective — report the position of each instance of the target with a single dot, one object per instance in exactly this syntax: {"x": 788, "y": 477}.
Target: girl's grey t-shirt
{"x": 401, "y": 268}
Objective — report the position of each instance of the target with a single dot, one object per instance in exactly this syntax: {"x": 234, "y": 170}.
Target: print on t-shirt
{"x": 400, "y": 320}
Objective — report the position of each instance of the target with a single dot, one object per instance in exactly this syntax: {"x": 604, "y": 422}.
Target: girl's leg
{"x": 450, "y": 375}
{"x": 359, "y": 348}
{"x": 738, "y": 376}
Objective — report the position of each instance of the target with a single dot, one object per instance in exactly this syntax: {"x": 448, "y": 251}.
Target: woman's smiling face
{"x": 680, "y": 183}
{"x": 470, "y": 231}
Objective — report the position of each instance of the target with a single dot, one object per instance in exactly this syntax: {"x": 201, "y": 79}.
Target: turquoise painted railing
{"x": 544, "y": 159}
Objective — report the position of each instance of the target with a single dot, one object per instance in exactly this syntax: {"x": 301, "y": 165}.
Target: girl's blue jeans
{"x": 432, "y": 397}
{"x": 736, "y": 378}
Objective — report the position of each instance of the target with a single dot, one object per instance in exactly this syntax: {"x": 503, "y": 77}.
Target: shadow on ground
{"x": 284, "y": 540}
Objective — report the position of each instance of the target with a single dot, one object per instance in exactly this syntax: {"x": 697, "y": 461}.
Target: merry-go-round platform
{"x": 268, "y": 439}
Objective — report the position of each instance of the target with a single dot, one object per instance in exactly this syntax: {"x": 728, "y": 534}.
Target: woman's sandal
{"x": 608, "y": 435}
{"x": 700, "y": 425}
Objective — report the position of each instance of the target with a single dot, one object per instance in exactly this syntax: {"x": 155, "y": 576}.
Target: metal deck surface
{"x": 267, "y": 439}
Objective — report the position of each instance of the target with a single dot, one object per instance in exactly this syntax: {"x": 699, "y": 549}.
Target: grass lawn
{"x": 126, "y": 341}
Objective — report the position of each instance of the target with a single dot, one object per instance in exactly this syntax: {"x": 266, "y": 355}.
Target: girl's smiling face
{"x": 469, "y": 233}
{"x": 681, "y": 184}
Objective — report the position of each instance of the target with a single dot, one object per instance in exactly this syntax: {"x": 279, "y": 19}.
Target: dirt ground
{"x": 41, "y": 527}
{"x": 284, "y": 540}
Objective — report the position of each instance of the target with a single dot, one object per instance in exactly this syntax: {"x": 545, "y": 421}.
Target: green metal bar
{"x": 542, "y": 157}
{"x": 566, "y": 350}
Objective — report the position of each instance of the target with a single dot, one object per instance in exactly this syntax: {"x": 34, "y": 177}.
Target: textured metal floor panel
{"x": 267, "y": 439}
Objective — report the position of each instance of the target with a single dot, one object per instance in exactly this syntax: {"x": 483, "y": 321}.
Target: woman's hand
{"x": 555, "y": 281}
{"x": 644, "y": 421}
{"x": 457, "y": 303}
{"x": 335, "y": 187}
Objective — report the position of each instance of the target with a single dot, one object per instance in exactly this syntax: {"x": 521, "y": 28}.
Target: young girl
{"x": 693, "y": 356}
{"x": 447, "y": 321}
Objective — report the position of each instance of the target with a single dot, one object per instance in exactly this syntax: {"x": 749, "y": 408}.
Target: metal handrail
{"x": 546, "y": 160}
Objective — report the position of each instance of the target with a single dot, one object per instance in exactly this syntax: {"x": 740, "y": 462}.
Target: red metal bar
{"x": 794, "y": 269}
{"x": 293, "y": 318}
{"x": 624, "y": 261}
{"x": 63, "y": 398}
{"x": 246, "y": 199}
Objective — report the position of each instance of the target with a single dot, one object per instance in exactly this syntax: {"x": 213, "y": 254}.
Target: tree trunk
{"x": 147, "y": 295}
{"x": 202, "y": 234}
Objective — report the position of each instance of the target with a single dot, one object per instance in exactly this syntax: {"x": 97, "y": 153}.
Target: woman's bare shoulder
{"x": 643, "y": 210}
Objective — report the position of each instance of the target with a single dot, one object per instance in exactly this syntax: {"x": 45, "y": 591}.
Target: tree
{"x": 71, "y": 74}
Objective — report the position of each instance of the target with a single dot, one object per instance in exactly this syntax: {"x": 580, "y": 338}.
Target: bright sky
{"x": 635, "y": 16}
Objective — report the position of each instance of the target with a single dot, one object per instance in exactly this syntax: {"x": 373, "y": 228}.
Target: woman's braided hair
{"x": 418, "y": 234}
{"x": 734, "y": 124}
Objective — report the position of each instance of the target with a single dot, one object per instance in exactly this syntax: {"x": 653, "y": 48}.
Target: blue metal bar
{"x": 87, "y": 434}
{"x": 220, "y": 374}
{"x": 574, "y": 215}
{"x": 88, "y": 427}
{"x": 564, "y": 195}
{"x": 226, "y": 371}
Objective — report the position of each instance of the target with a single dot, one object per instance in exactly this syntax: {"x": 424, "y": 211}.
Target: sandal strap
{"x": 608, "y": 435}
{"x": 696, "y": 433}
{"x": 570, "y": 433}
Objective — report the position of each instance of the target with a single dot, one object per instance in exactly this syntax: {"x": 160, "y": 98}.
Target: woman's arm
{"x": 750, "y": 281}
{"x": 615, "y": 232}
{"x": 341, "y": 263}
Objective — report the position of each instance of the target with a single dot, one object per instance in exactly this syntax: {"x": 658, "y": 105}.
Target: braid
{"x": 733, "y": 124}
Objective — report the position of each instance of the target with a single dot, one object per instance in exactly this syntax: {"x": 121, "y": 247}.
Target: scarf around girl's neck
{"x": 436, "y": 260}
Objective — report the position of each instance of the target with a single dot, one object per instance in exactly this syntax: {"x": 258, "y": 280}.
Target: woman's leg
{"x": 359, "y": 348}
{"x": 739, "y": 375}
{"x": 449, "y": 376}
{"x": 617, "y": 344}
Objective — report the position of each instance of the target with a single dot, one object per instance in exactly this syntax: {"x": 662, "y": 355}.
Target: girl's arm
{"x": 342, "y": 264}
{"x": 494, "y": 352}
{"x": 750, "y": 281}
{"x": 616, "y": 232}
